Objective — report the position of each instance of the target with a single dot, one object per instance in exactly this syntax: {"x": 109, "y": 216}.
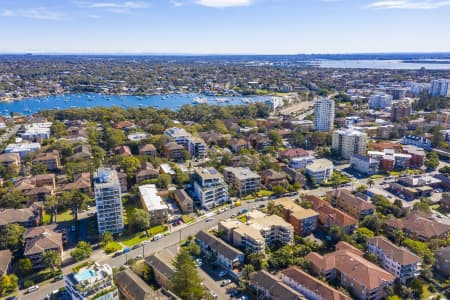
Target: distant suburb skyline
{"x": 224, "y": 26}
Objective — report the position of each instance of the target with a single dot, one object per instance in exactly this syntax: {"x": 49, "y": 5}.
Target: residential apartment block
{"x": 154, "y": 204}
{"x": 354, "y": 206}
{"x": 210, "y": 188}
{"x": 108, "y": 200}
{"x": 92, "y": 282}
{"x": 320, "y": 169}
{"x": 197, "y": 147}
{"x": 347, "y": 142}
{"x": 303, "y": 220}
{"x": 364, "y": 164}
{"x": 363, "y": 279}
{"x": 398, "y": 261}
{"x": 259, "y": 231}
{"x": 309, "y": 286}
{"x": 243, "y": 179}
{"x": 324, "y": 112}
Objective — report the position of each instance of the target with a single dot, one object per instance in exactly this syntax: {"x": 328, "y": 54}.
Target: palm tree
{"x": 52, "y": 259}
{"x": 370, "y": 182}
{"x": 50, "y": 204}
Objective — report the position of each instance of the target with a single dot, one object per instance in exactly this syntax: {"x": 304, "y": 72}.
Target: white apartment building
{"x": 180, "y": 135}
{"x": 37, "y": 131}
{"x": 243, "y": 179}
{"x": 364, "y": 164}
{"x": 154, "y": 204}
{"x": 23, "y": 148}
{"x": 197, "y": 147}
{"x": 398, "y": 261}
{"x": 440, "y": 87}
{"x": 108, "y": 200}
{"x": 320, "y": 170}
{"x": 93, "y": 282}
{"x": 348, "y": 142}
{"x": 380, "y": 101}
{"x": 210, "y": 188}
{"x": 300, "y": 162}
{"x": 324, "y": 111}
{"x": 259, "y": 231}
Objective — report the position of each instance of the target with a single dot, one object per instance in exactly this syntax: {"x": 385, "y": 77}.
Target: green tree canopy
{"x": 186, "y": 281}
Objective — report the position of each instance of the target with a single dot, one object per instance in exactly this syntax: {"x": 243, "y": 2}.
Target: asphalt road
{"x": 178, "y": 234}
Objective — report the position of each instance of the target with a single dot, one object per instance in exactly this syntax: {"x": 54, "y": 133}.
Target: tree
{"x": 373, "y": 222}
{"x": 185, "y": 280}
{"x": 58, "y": 129}
{"x": 248, "y": 271}
{"x": 13, "y": 199}
{"x": 107, "y": 237}
{"x": 398, "y": 236}
{"x": 370, "y": 182}
{"x": 12, "y": 236}
{"x": 82, "y": 251}
{"x": 37, "y": 169}
{"x": 51, "y": 259}
{"x": 113, "y": 137}
{"x": 24, "y": 267}
{"x": 164, "y": 180}
{"x": 8, "y": 284}
{"x": 139, "y": 219}
{"x": 257, "y": 260}
{"x": 432, "y": 161}
{"x": 50, "y": 204}
{"x": 79, "y": 201}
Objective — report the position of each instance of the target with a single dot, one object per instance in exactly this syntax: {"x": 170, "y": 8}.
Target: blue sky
{"x": 225, "y": 26}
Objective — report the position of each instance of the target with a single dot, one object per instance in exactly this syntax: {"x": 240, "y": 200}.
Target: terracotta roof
{"x": 123, "y": 150}
{"x": 274, "y": 286}
{"x": 81, "y": 181}
{"x": 47, "y": 156}
{"x": 296, "y": 152}
{"x": 147, "y": 148}
{"x": 347, "y": 196}
{"x": 399, "y": 254}
{"x": 327, "y": 211}
{"x": 9, "y": 157}
{"x": 173, "y": 146}
{"x": 294, "y": 209}
{"x": 354, "y": 266}
{"x": 42, "y": 238}
{"x": 313, "y": 284}
{"x": 22, "y": 215}
{"x": 134, "y": 287}
{"x": 420, "y": 224}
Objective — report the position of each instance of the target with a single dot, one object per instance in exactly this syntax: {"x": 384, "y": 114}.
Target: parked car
{"x": 58, "y": 278}
{"x": 32, "y": 288}
{"x": 117, "y": 253}
{"x": 209, "y": 219}
{"x": 138, "y": 257}
{"x": 225, "y": 282}
{"x": 126, "y": 250}
{"x": 135, "y": 247}
{"x": 157, "y": 237}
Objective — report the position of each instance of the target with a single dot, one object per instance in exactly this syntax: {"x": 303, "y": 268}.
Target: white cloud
{"x": 409, "y": 4}
{"x": 115, "y": 7}
{"x": 40, "y": 13}
{"x": 224, "y": 3}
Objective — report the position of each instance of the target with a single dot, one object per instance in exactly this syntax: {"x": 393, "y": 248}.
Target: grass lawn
{"x": 132, "y": 239}
{"x": 112, "y": 247}
{"x": 377, "y": 176}
{"x": 248, "y": 197}
{"x": 64, "y": 216}
{"x": 264, "y": 193}
{"x": 187, "y": 219}
{"x": 394, "y": 173}
{"x": 128, "y": 205}
{"x": 46, "y": 218}
{"x": 157, "y": 229}
{"x": 425, "y": 292}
